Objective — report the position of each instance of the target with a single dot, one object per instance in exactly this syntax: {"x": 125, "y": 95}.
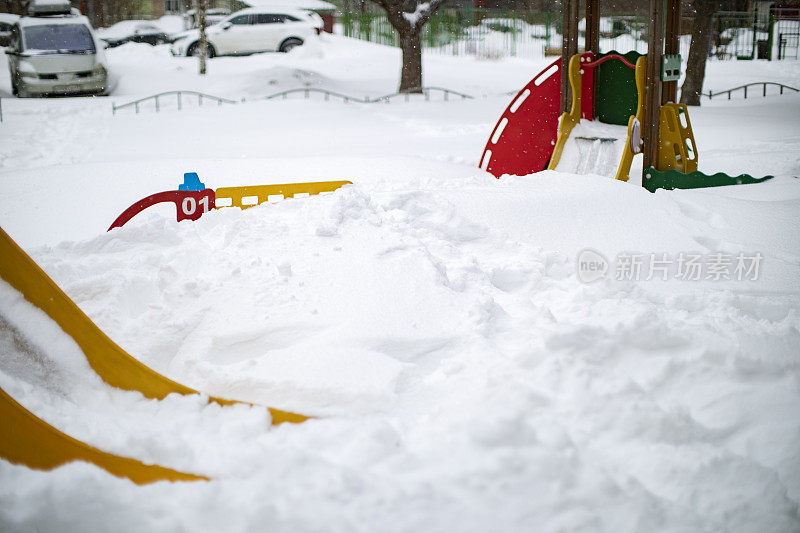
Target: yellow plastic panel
{"x": 28, "y": 440}
{"x": 258, "y": 194}
{"x": 113, "y": 364}
{"x": 569, "y": 120}
{"x": 627, "y": 153}
{"x": 676, "y": 145}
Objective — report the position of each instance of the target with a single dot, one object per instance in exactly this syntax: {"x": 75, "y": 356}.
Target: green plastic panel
{"x": 672, "y": 179}
{"x": 615, "y": 97}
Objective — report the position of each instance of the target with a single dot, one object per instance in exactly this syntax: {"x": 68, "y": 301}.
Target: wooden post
{"x": 652, "y": 96}
{"x": 592, "y": 42}
{"x": 672, "y": 46}
{"x": 569, "y": 47}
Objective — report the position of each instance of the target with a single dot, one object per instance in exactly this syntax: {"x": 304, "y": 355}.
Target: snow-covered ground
{"x": 431, "y": 316}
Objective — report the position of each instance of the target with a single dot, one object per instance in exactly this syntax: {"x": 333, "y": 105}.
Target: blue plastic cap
{"x": 191, "y": 182}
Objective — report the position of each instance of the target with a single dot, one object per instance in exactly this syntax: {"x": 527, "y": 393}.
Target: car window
{"x": 293, "y": 19}
{"x": 70, "y": 37}
{"x": 241, "y": 20}
{"x": 263, "y": 18}
{"x": 5, "y": 27}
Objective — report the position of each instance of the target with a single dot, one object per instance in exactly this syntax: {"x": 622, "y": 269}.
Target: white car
{"x": 213, "y": 16}
{"x": 252, "y": 30}
{"x": 133, "y": 31}
{"x": 56, "y": 54}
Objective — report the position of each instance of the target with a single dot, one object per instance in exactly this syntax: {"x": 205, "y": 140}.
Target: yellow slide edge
{"x": 113, "y": 364}
{"x": 624, "y": 168}
{"x": 28, "y": 440}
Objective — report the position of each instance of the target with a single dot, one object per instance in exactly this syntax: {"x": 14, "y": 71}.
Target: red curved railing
{"x": 592, "y": 64}
{"x": 190, "y": 205}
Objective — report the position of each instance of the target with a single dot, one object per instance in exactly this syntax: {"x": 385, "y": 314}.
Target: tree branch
{"x": 424, "y": 12}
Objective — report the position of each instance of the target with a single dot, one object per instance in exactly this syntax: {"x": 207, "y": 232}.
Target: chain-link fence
{"x": 495, "y": 33}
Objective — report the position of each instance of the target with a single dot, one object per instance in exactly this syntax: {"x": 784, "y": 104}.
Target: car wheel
{"x": 288, "y": 44}
{"x": 194, "y": 49}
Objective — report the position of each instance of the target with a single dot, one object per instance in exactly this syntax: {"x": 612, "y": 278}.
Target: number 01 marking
{"x": 189, "y": 205}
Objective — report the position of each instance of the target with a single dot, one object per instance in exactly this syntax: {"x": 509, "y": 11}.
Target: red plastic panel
{"x": 190, "y": 205}
{"x": 523, "y": 139}
{"x": 587, "y": 86}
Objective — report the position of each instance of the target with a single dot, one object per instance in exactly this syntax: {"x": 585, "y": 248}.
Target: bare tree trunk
{"x": 698, "y": 51}
{"x": 200, "y": 14}
{"x": 100, "y": 13}
{"x": 411, "y": 73}
{"x": 408, "y": 17}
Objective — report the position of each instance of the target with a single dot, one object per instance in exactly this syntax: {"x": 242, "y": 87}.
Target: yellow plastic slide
{"x": 112, "y": 363}
{"x": 26, "y": 439}
{"x": 569, "y": 120}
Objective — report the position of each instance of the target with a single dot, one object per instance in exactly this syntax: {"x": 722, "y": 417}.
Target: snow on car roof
{"x": 212, "y": 11}
{"x": 8, "y": 17}
{"x": 53, "y": 20}
{"x": 291, "y": 4}
{"x": 127, "y": 27}
{"x": 272, "y": 9}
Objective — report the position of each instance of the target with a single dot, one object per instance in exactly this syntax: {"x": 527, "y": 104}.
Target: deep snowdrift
{"x": 430, "y": 315}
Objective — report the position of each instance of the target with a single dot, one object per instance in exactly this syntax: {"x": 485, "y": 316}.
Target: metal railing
{"x": 764, "y": 84}
{"x": 425, "y": 93}
{"x": 179, "y": 95}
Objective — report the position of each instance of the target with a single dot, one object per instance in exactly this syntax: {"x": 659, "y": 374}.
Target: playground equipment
{"x": 193, "y": 199}
{"x": 609, "y": 101}
{"x": 28, "y": 440}
{"x": 618, "y": 109}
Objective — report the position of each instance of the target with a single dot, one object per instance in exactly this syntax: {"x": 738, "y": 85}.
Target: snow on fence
{"x": 426, "y": 92}
{"x": 743, "y": 88}
{"x": 182, "y": 98}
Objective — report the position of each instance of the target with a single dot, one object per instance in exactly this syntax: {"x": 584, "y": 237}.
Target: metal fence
{"x": 179, "y": 100}
{"x": 494, "y": 33}
{"x": 785, "y": 36}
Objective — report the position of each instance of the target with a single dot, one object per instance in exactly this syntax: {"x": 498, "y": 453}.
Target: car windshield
{"x": 62, "y": 37}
